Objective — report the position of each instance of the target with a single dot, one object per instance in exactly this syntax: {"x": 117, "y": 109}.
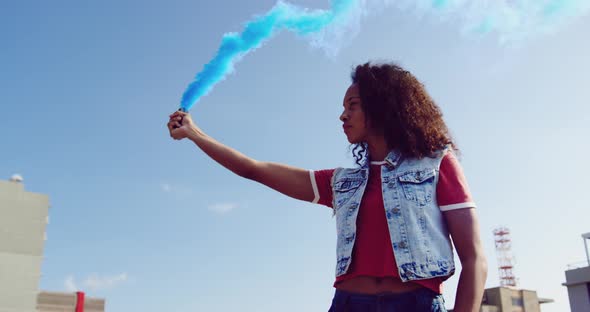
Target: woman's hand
{"x": 181, "y": 125}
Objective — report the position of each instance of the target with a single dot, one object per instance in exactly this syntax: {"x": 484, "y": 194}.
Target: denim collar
{"x": 392, "y": 159}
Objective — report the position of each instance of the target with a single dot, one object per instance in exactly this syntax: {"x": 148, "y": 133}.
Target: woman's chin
{"x": 353, "y": 140}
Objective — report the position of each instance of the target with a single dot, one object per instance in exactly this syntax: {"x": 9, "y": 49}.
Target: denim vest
{"x": 419, "y": 235}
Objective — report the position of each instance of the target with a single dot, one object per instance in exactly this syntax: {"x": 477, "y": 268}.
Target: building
{"x": 70, "y": 302}
{"x": 577, "y": 281}
{"x": 508, "y": 299}
{"x": 23, "y": 218}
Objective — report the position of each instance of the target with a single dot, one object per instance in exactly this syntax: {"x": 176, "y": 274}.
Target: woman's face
{"x": 353, "y": 116}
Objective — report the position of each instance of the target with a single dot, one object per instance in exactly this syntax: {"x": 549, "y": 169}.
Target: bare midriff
{"x": 376, "y": 285}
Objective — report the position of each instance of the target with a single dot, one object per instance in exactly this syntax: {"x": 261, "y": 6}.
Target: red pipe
{"x": 79, "y": 301}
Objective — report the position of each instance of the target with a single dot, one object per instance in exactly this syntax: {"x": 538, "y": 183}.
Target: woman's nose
{"x": 343, "y": 116}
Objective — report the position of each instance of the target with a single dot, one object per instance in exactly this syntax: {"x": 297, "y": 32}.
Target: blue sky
{"x": 152, "y": 224}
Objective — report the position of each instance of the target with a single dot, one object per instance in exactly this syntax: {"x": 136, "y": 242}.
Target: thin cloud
{"x": 222, "y": 208}
{"x": 166, "y": 187}
{"x": 70, "y": 284}
{"x": 95, "y": 282}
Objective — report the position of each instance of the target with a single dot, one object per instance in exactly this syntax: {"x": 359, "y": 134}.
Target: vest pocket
{"x": 347, "y": 185}
{"x": 344, "y": 191}
{"x": 418, "y": 185}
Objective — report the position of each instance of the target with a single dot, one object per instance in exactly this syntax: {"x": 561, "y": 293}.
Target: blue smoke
{"x": 509, "y": 19}
{"x": 234, "y": 46}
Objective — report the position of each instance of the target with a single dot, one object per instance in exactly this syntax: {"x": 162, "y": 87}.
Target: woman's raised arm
{"x": 291, "y": 181}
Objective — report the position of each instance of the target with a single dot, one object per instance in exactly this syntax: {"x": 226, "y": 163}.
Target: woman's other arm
{"x": 464, "y": 229}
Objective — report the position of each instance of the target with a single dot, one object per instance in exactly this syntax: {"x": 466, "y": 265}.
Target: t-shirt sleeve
{"x": 452, "y": 191}
{"x": 321, "y": 181}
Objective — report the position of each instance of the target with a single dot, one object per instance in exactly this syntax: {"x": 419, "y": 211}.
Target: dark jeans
{"x": 421, "y": 300}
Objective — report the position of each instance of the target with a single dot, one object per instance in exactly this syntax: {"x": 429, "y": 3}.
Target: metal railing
{"x": 577, "y": 265}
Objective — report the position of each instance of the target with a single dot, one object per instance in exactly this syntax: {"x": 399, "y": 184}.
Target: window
{"x": 517, "y": 302}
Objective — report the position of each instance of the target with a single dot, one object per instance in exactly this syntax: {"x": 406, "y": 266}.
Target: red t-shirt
{"x": 372, "y": 254}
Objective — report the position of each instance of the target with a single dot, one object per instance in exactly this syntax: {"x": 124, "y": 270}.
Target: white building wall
{"x": 23, "y": 219}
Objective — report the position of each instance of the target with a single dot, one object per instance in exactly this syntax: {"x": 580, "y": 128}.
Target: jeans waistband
{"x": 357, "y": 297}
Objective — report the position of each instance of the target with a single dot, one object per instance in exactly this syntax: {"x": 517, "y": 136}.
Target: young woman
{"x": 397, "y": 211}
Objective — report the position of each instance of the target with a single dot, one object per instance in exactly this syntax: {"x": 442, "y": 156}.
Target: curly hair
{"x": 397, "y": 105}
